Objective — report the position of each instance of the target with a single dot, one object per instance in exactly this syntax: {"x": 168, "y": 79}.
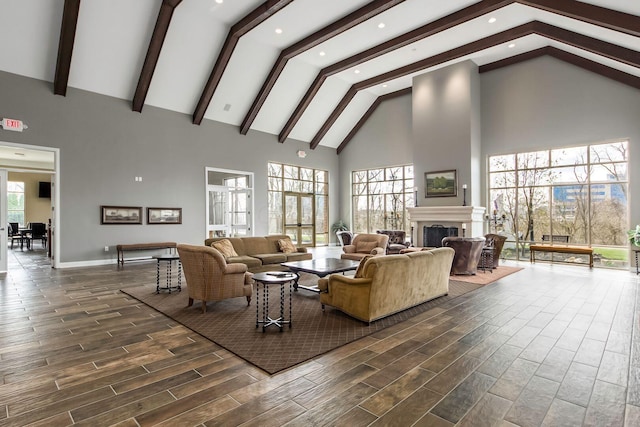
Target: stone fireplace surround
{"x": 448, "y": 216}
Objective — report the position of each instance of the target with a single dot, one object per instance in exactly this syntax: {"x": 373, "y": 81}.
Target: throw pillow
{"x": 360, "y": 269}
{"x": 365, "y": 247}
{"x": 286, "y": 246}
{"x": 225, "y": 247}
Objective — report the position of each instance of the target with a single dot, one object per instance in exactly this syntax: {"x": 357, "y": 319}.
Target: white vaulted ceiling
{"x": 106, "y": 53}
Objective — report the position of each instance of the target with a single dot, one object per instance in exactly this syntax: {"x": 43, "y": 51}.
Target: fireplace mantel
{"x": 452, "y": 216}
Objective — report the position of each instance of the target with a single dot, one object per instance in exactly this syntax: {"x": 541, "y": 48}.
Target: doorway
{"x": 41, "y": 163}
{"x": 298, "y": 218}
{"x": 229, "y": 203}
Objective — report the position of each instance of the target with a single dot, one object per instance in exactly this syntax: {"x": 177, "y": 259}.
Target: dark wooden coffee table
{"x": 321, "y": 268}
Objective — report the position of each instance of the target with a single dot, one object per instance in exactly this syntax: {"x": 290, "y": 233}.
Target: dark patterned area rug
{"x": 231, "y": 323}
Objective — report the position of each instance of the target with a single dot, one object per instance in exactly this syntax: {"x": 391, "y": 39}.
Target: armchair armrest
{"x": 301, "y": 250}
{"x": 349, "y": 249}
{"x": 342, "y": 280}
{"x": 235, "y": 268}
{"x": 378, "y": 251}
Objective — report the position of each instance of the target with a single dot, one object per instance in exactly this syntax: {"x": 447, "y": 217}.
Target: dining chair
{"x": 14, "y": 233}
{"x": 39, "y": 232}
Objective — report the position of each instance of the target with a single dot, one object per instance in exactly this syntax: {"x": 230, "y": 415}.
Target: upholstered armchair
{"x": 210, "y": 278}
{"x": 496, "y": 242}
{"x": 365, "y": 244}
{"x": 468, "y": 252}
{"x": 397, "y": 240}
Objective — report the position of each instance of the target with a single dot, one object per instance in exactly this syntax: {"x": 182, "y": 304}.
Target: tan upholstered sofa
{"x": 365, "y": 244}
{"x": 385, "y": 285}
{"x": 261, "y": 253}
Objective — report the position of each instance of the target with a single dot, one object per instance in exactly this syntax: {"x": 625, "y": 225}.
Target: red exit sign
{"x": 12, "y": 124}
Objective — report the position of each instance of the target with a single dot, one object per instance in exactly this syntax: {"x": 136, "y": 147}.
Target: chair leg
{"x": 204, "y": 306}
{"x": 248, "y": 300}
{"x": 190, "y": 302}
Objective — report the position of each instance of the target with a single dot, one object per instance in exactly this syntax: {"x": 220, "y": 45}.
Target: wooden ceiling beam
{"x": 153, "y": 52}
{"x": 65, "y": 46}
{"x": 353, "y": 19}
{"x": 240, "y": 28}
{"x": 590, "y": 44}
{"x": 456, "y": 18}
{"x": 597, "y": 15}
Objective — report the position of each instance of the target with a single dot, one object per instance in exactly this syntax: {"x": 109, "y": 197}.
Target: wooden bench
{"x": 121, "y": 249}
{"x": 565, "y": 249}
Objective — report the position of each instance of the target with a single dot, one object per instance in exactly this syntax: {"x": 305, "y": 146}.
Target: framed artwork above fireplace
{"x": 441, "y": 183}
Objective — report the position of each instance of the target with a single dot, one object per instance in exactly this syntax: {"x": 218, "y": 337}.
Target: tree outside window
{"x": 15, "y": 202}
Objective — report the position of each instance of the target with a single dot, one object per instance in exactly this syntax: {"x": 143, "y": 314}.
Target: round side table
{"x": 267, "y": 280}
{"x": 168, "y": 259}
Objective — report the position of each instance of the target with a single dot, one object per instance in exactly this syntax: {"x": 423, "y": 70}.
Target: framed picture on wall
{"x": 164, "y": 215}
{"x": 121, "y": 215}
{"x": 441, "y": 183}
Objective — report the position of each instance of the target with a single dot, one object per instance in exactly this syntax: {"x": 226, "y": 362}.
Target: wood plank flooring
{"x": 552, "y": 345}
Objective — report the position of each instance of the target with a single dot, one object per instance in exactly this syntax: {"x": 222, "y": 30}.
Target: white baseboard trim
{"x": 93, "y": 263}
{"x": 97, "y": 262}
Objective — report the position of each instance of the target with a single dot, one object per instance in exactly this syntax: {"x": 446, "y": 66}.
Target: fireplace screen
{"x": 433, "y": 235}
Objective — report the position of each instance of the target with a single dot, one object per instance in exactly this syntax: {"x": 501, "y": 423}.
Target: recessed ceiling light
{"x": 219, "y": 1}
{"x": 512, "y": 45}
{"x": 356, "y": 71}
{"x": 492, "y": 20}
{"x": 278, "y": 30}
{"x": 381, "y": 25}
{"x": 322, "y": 53}
{"x": 384, "y": 85}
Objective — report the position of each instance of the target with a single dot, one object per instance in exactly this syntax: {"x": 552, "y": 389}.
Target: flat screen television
{"x": 44, "y": 190}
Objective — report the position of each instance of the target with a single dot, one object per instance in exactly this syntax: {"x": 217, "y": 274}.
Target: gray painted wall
{"x": 446, "y": 129}
{"x": 383, "y": 141}
{"x": 104, "y": 145}
{"x": 542, "y": 103}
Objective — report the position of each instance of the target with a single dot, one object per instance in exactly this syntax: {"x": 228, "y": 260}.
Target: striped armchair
{"x": 210, "y": 278}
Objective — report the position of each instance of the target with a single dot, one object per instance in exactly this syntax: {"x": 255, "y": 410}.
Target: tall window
{"x": 577, "y": 192}
{"x": 380, "y": 198}
{"x": 311, "y": 183}
{"x": 15, "y": 202}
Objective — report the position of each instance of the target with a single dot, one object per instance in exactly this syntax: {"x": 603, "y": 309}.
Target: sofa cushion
{"x": 245, "y": 259}
{"x": 299, "y": 256}
{"x": 271, "y": 258}
{"x": 360, "y": 269}
{"x": 225, "y": 247}
{"x": 365, "y": 247}
{"x": 286, "y": 246}
{"x": 258, "y": 245}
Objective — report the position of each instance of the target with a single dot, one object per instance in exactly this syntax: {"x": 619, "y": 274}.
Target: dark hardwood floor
{"x": 552, "y": 345}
